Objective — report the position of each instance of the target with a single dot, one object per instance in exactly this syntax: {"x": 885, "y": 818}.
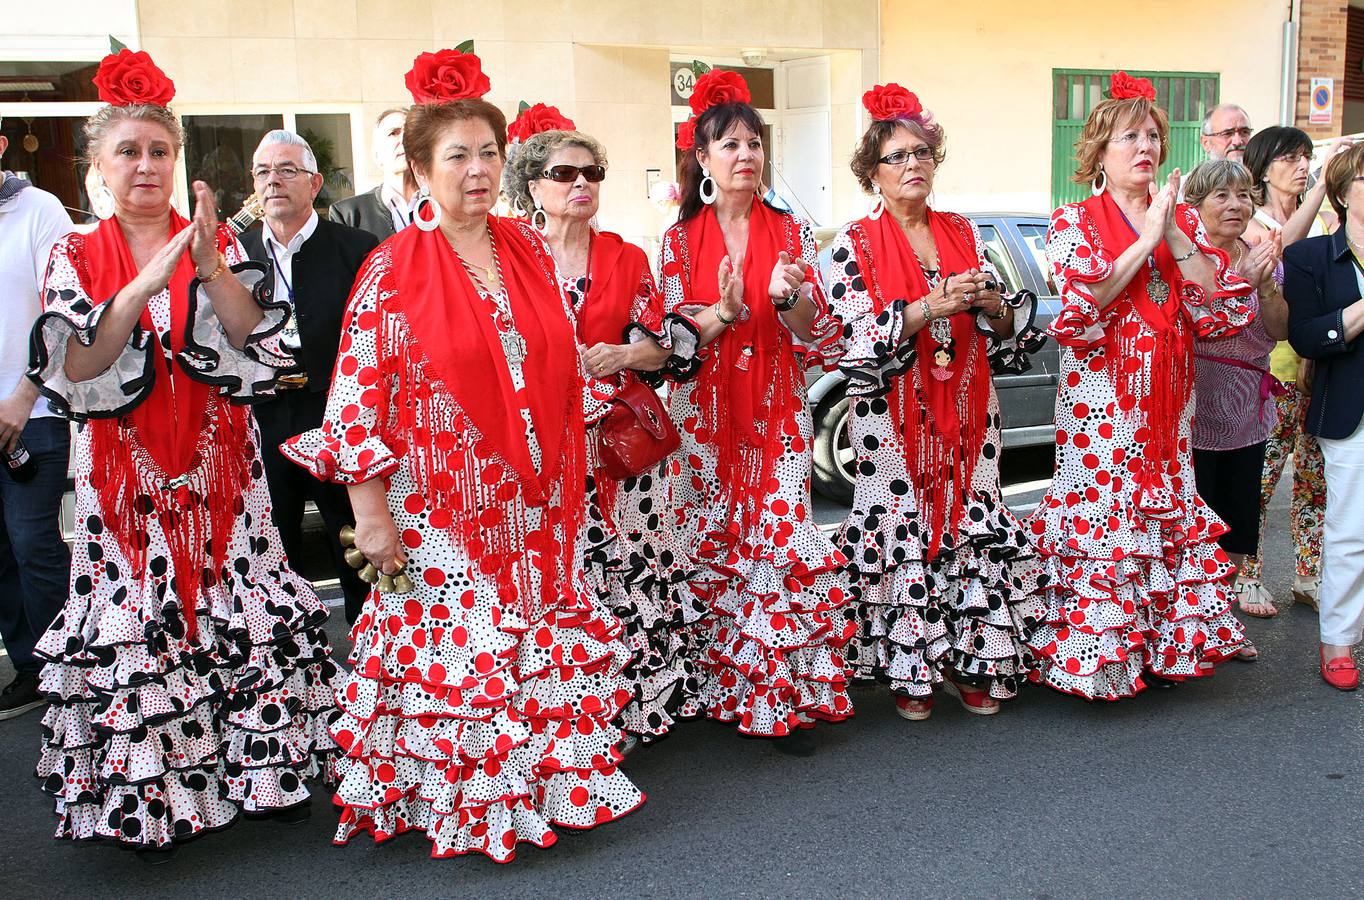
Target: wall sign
{"x": 1322, "y": 101}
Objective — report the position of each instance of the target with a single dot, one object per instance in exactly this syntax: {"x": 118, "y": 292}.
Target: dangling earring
{"x": 421, "y": 220}
{"x": 539, "y": 220}
{"x": 101, "y": 198}
{"x": 878, "y": 205}
{"x": 1100, "y": 182}
{"x": 708, "y": 195}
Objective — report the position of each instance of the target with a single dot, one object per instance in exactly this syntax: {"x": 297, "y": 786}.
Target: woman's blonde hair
{"x": 1106, "y": 120}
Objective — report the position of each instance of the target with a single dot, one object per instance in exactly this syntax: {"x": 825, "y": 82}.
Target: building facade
{"x": 1011, "y": 85}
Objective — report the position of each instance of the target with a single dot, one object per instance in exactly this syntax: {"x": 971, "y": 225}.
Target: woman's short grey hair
{"x": 1212, "y": 176}
{"x": 98, "y": 126}
{"x": 528, "y": 163}
{"x": 280, "y": 136}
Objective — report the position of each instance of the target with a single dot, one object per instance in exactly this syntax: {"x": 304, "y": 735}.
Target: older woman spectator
{"x": 1233, "y": 388}
{"x": 773, "y": 584}
{"x": 632, "y": 558}
{"x": 481, "y": 705}
{"x": 942, "y": 572}
{"x": 1323, "y": 279}
{"x": 1278, "y": 159}
{"x": 188, "y": 670}
{"x": 1134, "y": 579}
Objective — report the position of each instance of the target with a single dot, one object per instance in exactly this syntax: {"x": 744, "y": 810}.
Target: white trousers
{"x": 1342, "y": 568}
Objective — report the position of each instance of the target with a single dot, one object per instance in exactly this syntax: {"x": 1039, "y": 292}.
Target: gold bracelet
{"x": 222, "y": 266}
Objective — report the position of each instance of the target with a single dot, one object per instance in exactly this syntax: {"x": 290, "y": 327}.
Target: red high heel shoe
{"x": 1340, "y": 672}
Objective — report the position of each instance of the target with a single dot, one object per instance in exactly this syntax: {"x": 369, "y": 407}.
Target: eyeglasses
{"x": 569, "y": 174}
{"x": 900, "y": 157}
{"x": 1131, "y": 137}
{"x": 1225, "y": 134}
{"x": 1291, "y": 158}
{"x": 287, "y": 173}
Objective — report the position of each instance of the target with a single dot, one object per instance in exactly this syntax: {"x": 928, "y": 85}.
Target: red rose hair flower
{"x": 447, "y": 75}
{"x": 129, "y": 77}
{"x": 718, "y": 86}
{"x": 538, "y": 118}
{"x": 1124, "y": 87}
{"x": 686, "y": 134}
{"x": 887, "y": 102}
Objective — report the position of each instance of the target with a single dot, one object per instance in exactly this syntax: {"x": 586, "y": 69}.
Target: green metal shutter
{"x": 1185, "y": 96}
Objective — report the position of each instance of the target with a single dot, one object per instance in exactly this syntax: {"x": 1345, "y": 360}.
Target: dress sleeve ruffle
{"x": 208, "y": 355}
{"x": 1011, "y": 355}
{"x": 1226, "y": 311}
{"x": 874, "y": 342}
{"x": 825, "y": 347}
{"x": 1077, "y": 261}
{"x": 675, "y": 332}
{"x": 348, "y": 448}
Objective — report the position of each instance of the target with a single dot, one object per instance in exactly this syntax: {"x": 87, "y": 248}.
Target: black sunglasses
{"x": 569, "y": 174}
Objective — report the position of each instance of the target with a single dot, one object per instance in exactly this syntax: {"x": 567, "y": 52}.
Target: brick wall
{"x": 1321, "y": 54}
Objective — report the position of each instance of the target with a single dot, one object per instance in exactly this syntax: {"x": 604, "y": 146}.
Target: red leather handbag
{"x": 635, "y": 434}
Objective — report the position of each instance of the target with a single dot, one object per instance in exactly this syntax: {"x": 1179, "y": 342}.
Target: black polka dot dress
{"x": 632, "y": 559}
{"x": 154, "y": 735}
{"x": 1134, "y": 581}
{"x": 462, "y": 719}
{"x": 964, "y": 613}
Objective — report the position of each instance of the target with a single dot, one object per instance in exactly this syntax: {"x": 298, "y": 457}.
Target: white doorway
{"x": 805, "y": 173}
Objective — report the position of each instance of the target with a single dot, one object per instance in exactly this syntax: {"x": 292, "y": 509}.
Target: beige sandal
{"x": 1251, "y": 595}
{"x": 1307, "y": 591}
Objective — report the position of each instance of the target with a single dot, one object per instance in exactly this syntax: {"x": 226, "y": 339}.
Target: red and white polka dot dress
{"x": 770, "y": 642}
{"x": 153, "y": 737}
{"x": 461, "y": 719}
{"x": 1134, "y": 580}
{"x": 965, "y": 614}
{"x": 632, "y": 559}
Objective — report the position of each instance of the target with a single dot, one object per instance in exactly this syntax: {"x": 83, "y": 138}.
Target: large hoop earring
{"x": 422, "y": 221}
{"x": 878, "y": 206}
{"x": 708, "y": 195}
{"x": 539, "y": 220}
{"x": 102, "y": 199}
{"x": 1100, "y": 182}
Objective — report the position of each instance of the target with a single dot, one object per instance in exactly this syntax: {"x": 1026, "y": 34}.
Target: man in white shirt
{"x": 315, "y": 263}
{"x": 35, "y": 564}
{"x": 386, "y": 210}
{"x": 1226, "y": 131}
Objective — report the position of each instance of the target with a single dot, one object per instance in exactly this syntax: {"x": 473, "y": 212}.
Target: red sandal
{"x": 973, "y": 700}
{"x": 915, "y": 709}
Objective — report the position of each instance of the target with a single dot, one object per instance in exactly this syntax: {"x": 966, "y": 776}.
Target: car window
{"x": 1035, "y": 239}
{"x": 998, "y": 255}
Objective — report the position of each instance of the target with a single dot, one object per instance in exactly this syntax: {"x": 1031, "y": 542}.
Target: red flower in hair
{"x": 718, "y": 86}
{"x": 128, "y": 77}
{"x": 886, "y": 102}
{"x": 447, "y": 75}
{"x": 1124, "y": 87}
{"x": 538, "y": 118}
{"x": 686, "y": 134}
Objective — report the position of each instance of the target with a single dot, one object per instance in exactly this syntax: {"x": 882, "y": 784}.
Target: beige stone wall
{"x": 984, "y": 67}
{"x": 603, "y": 62}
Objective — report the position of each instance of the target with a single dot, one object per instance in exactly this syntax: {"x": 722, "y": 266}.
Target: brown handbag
{"x": 636, "y": 434}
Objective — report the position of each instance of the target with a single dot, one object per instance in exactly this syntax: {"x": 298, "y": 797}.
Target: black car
{"x": 1015, "y": 244}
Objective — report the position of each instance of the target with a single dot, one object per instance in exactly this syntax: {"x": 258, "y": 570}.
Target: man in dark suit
{"x": 387, "y": 208}
{"x": 315, "y": 263}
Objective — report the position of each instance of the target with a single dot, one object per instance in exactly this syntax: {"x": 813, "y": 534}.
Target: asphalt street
{"x": 1248, "y": 784}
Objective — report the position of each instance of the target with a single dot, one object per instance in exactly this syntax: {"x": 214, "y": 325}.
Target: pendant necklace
{"x": 1158, "y": 288}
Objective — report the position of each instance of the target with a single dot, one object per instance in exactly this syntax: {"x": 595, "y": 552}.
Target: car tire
{"x": 833, "y": 475}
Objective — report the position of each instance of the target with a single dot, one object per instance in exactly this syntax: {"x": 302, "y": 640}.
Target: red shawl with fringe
{"x": 454, "y": 346}
{"x": 941, "y": 421}
{"x": 1172, "y": 351}
{"x": 614, "y": 274}
{"x": 751, "y": 383}
{"x": 200, "y": 490}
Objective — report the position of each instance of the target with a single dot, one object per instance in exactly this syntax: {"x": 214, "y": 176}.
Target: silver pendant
{"x": 941, "y": 329}
{"x": 1158, "y": 289}
{"x": 513, "y": 346}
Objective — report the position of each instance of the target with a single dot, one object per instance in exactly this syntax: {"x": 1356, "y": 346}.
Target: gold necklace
{"x": 489, "y": 275}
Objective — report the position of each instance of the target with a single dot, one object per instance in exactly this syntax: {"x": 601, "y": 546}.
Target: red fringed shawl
{"x": 199, "y": 487}
{"x": 941, "y": 421}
